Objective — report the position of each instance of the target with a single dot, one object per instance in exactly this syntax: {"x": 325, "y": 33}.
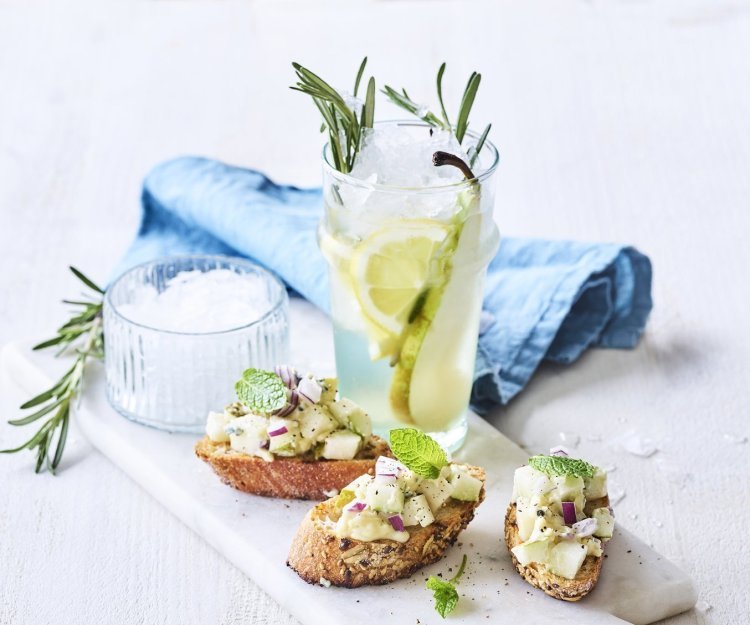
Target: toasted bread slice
{"x": 538, "y": 575}
{"x": 316, "y": 553}
{"x": 288, "y": 478}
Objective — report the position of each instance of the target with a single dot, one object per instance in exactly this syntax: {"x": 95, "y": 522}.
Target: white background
{"x": 621, "y": 120}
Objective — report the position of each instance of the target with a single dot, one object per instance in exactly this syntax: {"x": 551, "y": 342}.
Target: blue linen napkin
{"x": 544, "y": 300}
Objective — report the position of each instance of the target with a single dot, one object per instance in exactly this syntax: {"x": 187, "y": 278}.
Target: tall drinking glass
{"x": 407, "y": 268}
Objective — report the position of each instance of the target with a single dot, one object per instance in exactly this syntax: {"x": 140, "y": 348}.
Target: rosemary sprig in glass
{"x": 402, "y": 100}
{"x": 83, "y": 336}
{"x": 341, "y": 118}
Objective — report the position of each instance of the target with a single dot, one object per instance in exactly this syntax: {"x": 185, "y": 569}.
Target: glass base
{"x": 451, "y": 440}
{"x": 170, "y": 424}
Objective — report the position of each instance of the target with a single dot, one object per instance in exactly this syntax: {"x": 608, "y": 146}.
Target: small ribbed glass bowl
{"x": 172, "y": 379}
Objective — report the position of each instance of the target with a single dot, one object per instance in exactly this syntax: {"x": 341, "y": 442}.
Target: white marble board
{"x": 637, "y": 584}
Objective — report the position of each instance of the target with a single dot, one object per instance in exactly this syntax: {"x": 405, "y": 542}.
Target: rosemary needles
{"x": 81, "y": 335}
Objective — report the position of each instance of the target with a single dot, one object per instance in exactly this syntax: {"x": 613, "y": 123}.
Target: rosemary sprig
{"x": 82, "y": 335}
{"x": 344, "y": 123}
{"x": 402, "y": 100}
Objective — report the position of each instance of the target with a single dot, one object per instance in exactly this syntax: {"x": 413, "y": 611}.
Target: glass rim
{"x": 376, "y": 186}
{"x": 278, "y": 302}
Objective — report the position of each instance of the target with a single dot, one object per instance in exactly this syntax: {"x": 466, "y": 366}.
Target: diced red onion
{"x": 291, "y": 404}
{"x": 569, "y": 512}
{"x": 584, "y": 528}
{"x": 387, "y": 478}
{"x": 397, "y": 522}
{"x": 388, "y": 466}
{"x": 357, "y": 506}
{"x": 559, "y": 451}
{"x": 310, "y": 389}
{"x": 287, "y": 374}
{"x": 278, "y": 431}
{"x": 265, "y": 445}
{"x": 567, "y": 535}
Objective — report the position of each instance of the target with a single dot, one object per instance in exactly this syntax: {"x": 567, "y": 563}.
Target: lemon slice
{"x": 390, "y": 269}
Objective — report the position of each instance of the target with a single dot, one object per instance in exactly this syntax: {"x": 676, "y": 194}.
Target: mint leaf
{"x": 562, "y": 465}
{"x": 445, "y": 594}
{"x": 261, "y": 391}
{"x": 418, "y": 452}
{"x": 444, "y": 591}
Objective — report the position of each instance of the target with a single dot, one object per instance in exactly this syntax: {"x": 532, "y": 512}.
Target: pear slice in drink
{"x": 430, "y": 387}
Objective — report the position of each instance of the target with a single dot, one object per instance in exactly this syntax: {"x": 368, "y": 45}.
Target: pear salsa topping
{"x": 282, "y": 413}
{"x": 403, "y": 493}
{"x": 561, "y": 511}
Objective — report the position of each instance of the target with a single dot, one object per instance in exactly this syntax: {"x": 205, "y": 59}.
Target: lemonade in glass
{"x": 408, "y": 245}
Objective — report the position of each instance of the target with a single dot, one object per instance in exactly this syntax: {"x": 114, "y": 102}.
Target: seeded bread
{"x": 318, "y": 556}
{"x": 288, "y": 478}
{"x": 538, "y": 575}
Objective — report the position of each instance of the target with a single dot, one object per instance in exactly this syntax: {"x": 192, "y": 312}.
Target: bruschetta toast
{"x": 557, "y": 524}
{"x": 290, "y": 437}
{"x": 384, "y": 527}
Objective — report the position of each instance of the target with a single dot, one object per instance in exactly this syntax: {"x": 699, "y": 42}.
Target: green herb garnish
{"x": 402, "y": 100}
{"x": 261, "y": 391}
{"x": 82, "y": 335}
{"x": 418, "y": 452}
{"x": 444, "y": 591}
{"x": 562, "y": 465}
{"x": 344, "y": 124}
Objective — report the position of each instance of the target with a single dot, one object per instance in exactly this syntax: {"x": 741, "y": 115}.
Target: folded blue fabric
{"x": 544, "y": 300}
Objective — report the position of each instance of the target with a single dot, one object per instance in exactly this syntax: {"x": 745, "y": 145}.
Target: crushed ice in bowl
{"x": 200, "y": 302}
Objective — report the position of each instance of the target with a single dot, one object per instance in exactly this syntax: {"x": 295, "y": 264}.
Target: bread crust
{"x": 288, "y": 478}
{"x": 317, "y": 554}
{"x": 538, "y": 575}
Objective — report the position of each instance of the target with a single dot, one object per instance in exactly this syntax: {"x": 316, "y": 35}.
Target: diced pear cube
{"x": 537, "y": 551}
{"x": 316, "y": 423}
{"x": 596, "y": 487}
{"x": 283, "y": 444}
{"x": 523, "y": 482}
{"x": 330, "y": 387}
{"x": 351, "y": 416}
{"x": 385, "y": 497}
{"x": 525, "y": 517}
{"x": 247, "y": 433}
{"x": 593, "y": 547}
{"x": 569, "y": 487}
{"x": 215, "y": 427}
{"x": 466, "y": 487}
{"x": 341, "y": 445}
{"x": 436, "y": 491}
{"x": 566, "y": 558}
{"x": 605, "y": 523}
{"x": 417, "y": 512}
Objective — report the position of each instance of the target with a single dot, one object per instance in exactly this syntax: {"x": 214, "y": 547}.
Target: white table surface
{"x": 619, "y": 121}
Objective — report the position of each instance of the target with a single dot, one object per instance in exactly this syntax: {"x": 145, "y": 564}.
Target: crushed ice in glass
{"x": 199, "y": 302}
{"x": 402, "y": 156}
